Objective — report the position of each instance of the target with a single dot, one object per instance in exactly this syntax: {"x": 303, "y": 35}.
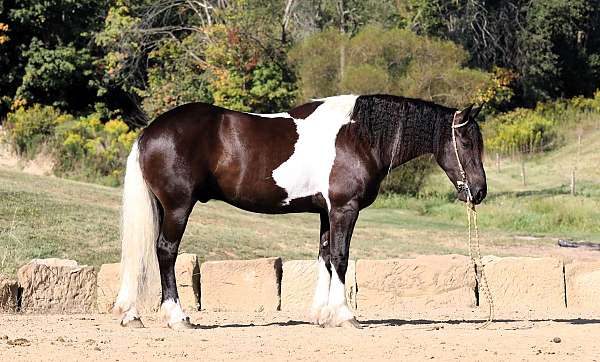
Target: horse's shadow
{"x": 401, "y": 322}
{"x": 249, "y": 325}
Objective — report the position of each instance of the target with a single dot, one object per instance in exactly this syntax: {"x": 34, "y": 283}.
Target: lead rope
{"x": 478, "y": 264}
{"x": 472, "y": 221}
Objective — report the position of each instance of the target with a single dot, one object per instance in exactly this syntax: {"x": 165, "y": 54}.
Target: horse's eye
{"x": 467, "y": 144}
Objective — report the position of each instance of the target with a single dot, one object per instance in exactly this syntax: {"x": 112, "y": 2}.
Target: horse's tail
{"x": 139, "y": 230}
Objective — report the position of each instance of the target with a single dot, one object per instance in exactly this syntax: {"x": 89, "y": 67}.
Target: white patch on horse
{"x": 306, "y": 172}
{"x": 272, "y": 115}
{"x": 321, "y": 297}
{"x": 173, "y": 312}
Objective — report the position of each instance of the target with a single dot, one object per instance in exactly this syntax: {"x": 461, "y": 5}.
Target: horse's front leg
{"x": 341, "y": 220}
{"x": 172, "y": 228}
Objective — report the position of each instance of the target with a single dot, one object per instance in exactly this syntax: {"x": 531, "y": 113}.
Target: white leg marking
{"x": 173, "y": 312}
{"x": 337, "y": 300}
{"x": 130, "y": 315}
{"x": 321, "y": 297}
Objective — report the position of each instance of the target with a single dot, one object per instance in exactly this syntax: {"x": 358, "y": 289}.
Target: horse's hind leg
{"x": 321, "y": 296}
{"x": 174, "y": 221}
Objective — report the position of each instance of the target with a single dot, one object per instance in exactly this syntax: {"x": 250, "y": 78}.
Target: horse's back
{"x": 212, "y": 152}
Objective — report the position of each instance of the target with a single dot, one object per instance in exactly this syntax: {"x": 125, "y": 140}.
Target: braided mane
{"x": 379, "y": 116}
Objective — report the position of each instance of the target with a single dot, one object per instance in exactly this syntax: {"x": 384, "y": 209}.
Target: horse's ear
{"x": 461, "y": 116}
{"x": 476, "y": 111}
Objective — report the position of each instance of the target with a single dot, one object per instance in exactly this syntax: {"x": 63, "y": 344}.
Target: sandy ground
{"x": 284, "y": 336}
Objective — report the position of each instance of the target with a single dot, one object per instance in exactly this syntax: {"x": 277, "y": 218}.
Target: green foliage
{"x": 393, "y": 61}
{"x": 553, "y": 45}
{"x": 88, "y": 149}
{"x": 174, "y": 79}
{"x": 498, "y": 96}
{"x": 29, "y": 129}
{"x": 539, "y": 129}
{"x": 116, "y": 39}
{"x": 519, "y": 131}
{"x": 62, "y": 74}
{"x": 84, "y": 148}
{"x": 244, "y": 79}
{"x": 409, "y": 178}
{"x": 317, "y": 63}
{"x": 48, "y": 59}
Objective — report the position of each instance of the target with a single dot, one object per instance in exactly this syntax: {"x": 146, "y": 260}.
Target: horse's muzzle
{"x": 477, "y": 194}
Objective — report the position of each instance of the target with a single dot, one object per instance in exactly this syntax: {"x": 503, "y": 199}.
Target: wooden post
{"x": 523, "y": 170}
{"x": 574, "y": 169}
{"x": 498, "y": 162}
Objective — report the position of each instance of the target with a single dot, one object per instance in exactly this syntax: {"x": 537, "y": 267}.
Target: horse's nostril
{"x": 480, "y": 195}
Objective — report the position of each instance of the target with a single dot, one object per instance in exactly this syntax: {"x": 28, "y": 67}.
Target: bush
{"x": 519, "y": 131}
{"x": 30, "y": 128}
{"x": 86, "y": 148}
{"x": 408, "y": 178}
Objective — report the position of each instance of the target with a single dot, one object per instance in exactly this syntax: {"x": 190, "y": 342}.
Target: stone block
{"x": 241, "y": 285}
{"x": 583, "y": 286}
{"x": 426, "y": 282}
{"x": 531, "y": 287}
{"x": 57, "y": 286}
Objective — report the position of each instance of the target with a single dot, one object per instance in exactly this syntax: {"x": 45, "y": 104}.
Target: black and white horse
{"x": 328, "y": 157}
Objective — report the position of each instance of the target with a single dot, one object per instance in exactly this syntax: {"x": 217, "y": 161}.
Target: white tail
{"x": 139, "y": 230}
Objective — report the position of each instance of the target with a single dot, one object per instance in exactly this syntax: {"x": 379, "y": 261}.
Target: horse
{"x": 328, "y": 156}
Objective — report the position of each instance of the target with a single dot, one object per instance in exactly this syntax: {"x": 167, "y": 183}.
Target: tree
{"x": 48, "y": 43}
{"x": 386, "y": 61}
{"x": 553, "y": 45}
{"x": 175, "y": 51}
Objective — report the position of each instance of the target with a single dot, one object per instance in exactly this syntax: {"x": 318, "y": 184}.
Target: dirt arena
{"x": 283, "y": 336}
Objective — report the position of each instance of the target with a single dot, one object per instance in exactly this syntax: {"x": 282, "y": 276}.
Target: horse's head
{"x": 460, "y": 152}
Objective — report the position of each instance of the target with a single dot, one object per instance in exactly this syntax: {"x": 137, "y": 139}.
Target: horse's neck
{"x": 411, "y": 140}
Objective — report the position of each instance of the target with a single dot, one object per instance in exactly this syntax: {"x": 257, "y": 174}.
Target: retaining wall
{"x": 540, "y": 287}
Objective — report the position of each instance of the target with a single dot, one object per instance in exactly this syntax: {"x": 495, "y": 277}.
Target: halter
{"x": 463, "y": 184}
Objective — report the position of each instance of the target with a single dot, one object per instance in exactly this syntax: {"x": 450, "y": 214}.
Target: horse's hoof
{"x": 351, "y": 323}
{"x": 182, "y": 325}
{"x": 134, "y": 323}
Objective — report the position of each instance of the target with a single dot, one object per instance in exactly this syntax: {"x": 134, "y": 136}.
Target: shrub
{"x": 86, "y": 148}
{"x": 522, "y": 130}
{"x": 29, "y": 128}
{"x": 408, "y": 178}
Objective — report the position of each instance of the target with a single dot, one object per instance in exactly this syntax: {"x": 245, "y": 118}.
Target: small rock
{"x": 19, "y": 342}
{"x": 556, "y": 340}
{"x": 60, "y": 339}
{"x": 5, "y": 337}
{"x": 97, "y": 348}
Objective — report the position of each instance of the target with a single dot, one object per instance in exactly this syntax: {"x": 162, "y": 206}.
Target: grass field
{"x": 50, "y": 217}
